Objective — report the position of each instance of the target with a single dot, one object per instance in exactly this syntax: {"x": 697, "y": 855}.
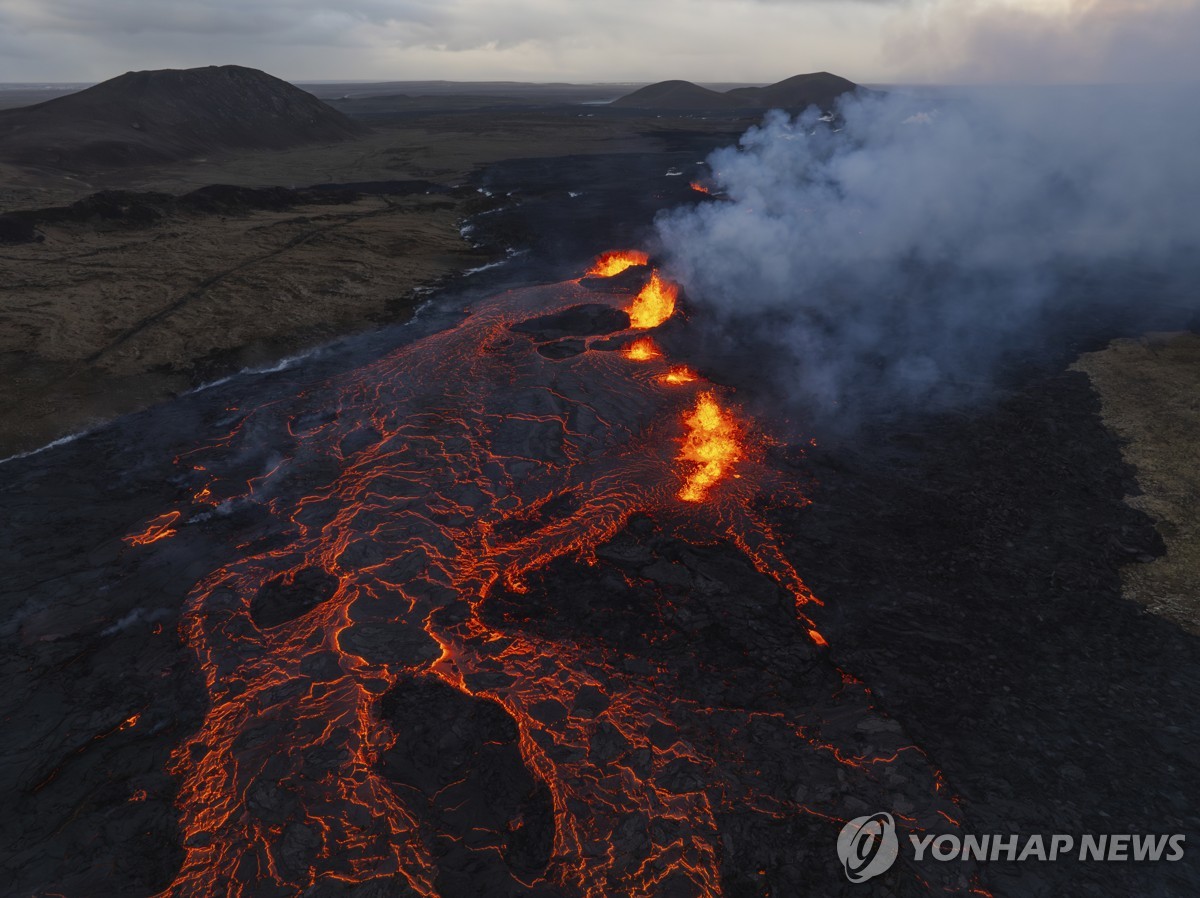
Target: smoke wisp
{"x": 892, "y": 256}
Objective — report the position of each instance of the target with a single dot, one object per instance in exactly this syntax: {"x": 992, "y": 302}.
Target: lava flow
{"x": 157, "y": 529}
{"x": 399, "y": 552}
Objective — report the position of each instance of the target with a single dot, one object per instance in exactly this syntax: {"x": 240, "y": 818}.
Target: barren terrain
{"x": 100, "y": 319}
{"x": 435, "y": 145}
{"x": 1150, "y": 394}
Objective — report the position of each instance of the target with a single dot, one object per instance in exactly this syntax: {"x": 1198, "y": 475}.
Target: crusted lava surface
{"x": 478, "y": 628}
{"x": 434, "y": 617}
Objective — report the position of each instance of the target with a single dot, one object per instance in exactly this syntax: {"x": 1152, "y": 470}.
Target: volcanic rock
{"x": 463, "y": 755}
{"x": 283, "y": 599}
{"x": 632, "y": 279}
{"x": 563, "y": 349}
{"x": 16, "y": 230}
{"x": 168, "y": 115}
{"x": 140, "y": 209}
{"x": 588, "y": 320}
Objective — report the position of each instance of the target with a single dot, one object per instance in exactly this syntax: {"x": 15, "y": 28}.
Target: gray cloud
{"x": 623, "y": 40}
{"x": 537, "y": 39}
{"x": 201, "y": 18}
{"x": 1068, "y": 41}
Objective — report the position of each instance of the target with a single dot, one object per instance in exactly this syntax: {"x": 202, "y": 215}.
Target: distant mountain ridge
{"x": 800, "y": 91}
{"x": 168, "y": 115}
{"x": 678, "y": 95}
{"x": 820, "y": 89}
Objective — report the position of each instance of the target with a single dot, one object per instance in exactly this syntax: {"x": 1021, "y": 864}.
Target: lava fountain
{"x": 654, "y": 304}
{"x": 612, "y": 263}
{"x": 681, "y": 374}
{"x": 643, "y": 349}
{"x": 387, "y": 513}
{"x": 713, "y": 444}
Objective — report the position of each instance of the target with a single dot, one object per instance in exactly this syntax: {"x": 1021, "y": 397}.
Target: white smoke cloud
{"x": 894, "y": 255}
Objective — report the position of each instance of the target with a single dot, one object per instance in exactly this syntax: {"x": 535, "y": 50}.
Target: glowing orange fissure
{"x": 156, "y": 529}
{"x": 714, "y": 444}
{"x": 699, "y": 188}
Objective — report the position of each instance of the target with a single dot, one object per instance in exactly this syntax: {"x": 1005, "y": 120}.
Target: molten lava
{"x": 699, "y": 188}
{"x": 155, "y": 529}
{"x": 435, "y": 482}
{"x": 713, "y": 444}
{"x": 679, "y": 375}
{"x": 612, "y": 263}
{"x": 654, "y": 305}
{"x": 642, "y": 349}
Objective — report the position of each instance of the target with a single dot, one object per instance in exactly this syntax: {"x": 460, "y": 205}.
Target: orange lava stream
{"x": 699, "y": 188}
{"x": 442, "y": 475}
{"x": 156, "y": 529}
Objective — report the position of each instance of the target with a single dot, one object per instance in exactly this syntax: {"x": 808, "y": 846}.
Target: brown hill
{"x": 678, "y": 95}
{"x": 168, "y": 115}
{"x": 798, "y": 92}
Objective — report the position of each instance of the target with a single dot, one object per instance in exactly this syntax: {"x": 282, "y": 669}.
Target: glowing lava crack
{"x": 432, "y": 483}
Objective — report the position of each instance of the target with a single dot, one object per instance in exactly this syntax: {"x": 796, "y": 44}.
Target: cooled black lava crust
{"x": 969, "y": 565}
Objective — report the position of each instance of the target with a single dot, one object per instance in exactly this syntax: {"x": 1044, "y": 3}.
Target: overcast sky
{"x": 609, "y": 40}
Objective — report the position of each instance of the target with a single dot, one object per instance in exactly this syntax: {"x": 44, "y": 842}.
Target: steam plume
{"x": 895, "y": 254}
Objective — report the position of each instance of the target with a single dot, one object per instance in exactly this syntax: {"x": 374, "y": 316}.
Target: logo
{"x": 868, "y": 846}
